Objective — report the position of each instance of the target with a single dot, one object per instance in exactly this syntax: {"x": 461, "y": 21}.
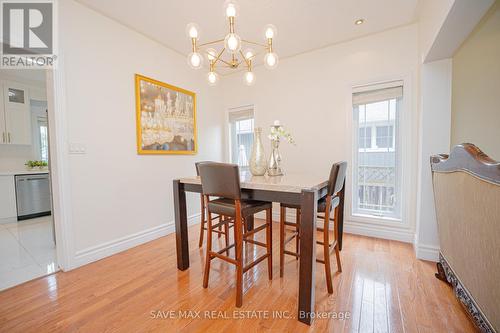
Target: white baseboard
{"x": 107, "y": 249}
{"x": 356, "y": 228}
{"x": 7, "y": 220}
{"x": 378, "y": 231}
{"x": 427, "y": 252}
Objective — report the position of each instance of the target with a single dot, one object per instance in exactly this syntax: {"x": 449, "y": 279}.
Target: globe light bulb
{"x": 195, "y": 60}
{"x": 271, "y": 60}
{"x": 192, "y": 30}
{"x": 231, "y": 10}
{"x": 249, "y": 78}
{"x": 212, "y": 78}
{"x": 270, "y": 31}
{"x": 211, "y": 54}
{"x": 249, "y": 53}
{"x": 232, "y": 43}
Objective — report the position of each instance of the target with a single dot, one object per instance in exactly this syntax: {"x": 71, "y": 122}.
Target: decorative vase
{"x": 257, "y": 157}
{"x": 274, "y": 167}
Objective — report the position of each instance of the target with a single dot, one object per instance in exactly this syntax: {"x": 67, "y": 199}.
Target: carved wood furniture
{"x": 303, "y": 189}
{"x": 467, "y": 197}
{"x": 325, "y": 206}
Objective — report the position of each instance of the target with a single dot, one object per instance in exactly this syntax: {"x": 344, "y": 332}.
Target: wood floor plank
{"x": 383, "y": 288}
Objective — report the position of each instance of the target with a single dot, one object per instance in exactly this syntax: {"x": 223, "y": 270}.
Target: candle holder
{"x": 274, "y": 167}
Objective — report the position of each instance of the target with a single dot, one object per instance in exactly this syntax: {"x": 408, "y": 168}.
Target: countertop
{"x": 22, "y": 172}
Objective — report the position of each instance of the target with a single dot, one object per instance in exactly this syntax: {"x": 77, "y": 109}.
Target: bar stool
{"x": 223, "y": 181}
{"x": 325, "y": 205}
{"x": 220, "y": 232}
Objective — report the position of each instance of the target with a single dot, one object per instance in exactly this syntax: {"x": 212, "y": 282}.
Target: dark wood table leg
{"x": 181, "y": 230}
{"x": 307, "y": 255}
{"x": 249, "y": 221}
{"x": 340, "y": 224}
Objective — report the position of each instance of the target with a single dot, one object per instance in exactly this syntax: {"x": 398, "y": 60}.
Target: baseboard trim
{"x": 427, "y": 252}
{"x": 378, "y": 231}
{"x": 7, "y": 220}
{"x": 357, "y": 228}
{"x": 97, "y": 252}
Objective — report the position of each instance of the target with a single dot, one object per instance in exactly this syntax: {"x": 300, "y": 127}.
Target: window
{"x": 385, "y": 136}
{"x": 16, "y": 95}
{"x": 43, "y": 137}
{"x": 365, "y": 137}
{"x": 376, "y": 155}
{"x": 241, "y": 125}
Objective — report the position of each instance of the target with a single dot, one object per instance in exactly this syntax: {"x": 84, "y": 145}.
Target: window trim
{"x": 229, "y": 111}
{"x": 396, "y": 147}
{"x": 409, "y": 167}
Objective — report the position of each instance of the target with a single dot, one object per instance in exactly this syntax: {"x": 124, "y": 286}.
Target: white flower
{"x": 278, "y": 132}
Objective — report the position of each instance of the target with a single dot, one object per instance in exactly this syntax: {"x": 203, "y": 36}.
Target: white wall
{"x": 435, "y": 122}
{"x": 476, "y": 78}
{"x": 432, "y": 15}
{"x": 311, "y": 94}
{"x": 443, "y": 26}
{"x": 119, "y": 198}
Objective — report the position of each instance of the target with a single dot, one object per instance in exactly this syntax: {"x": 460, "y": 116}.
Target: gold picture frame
{"x": 165, "y": 118}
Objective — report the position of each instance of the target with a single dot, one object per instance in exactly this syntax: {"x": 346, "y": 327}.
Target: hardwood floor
{"x": 382, "y": 288}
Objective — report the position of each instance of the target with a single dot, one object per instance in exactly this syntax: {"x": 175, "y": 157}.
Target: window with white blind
{"x": 377, "y": 153}
{"x": 241, "y": 126}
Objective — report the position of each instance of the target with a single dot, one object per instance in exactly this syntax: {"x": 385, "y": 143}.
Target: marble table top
{"x": 287, "y": 183}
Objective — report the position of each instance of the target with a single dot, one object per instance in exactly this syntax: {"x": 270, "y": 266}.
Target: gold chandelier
{"x": 232, "y": 48}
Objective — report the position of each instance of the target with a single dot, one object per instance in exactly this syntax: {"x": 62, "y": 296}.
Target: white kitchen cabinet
{"x": 15, "y": 111}
{"x": 8, "y": 210}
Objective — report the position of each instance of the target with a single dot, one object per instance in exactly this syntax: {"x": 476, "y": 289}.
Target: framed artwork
{"x": 166, "y": 118}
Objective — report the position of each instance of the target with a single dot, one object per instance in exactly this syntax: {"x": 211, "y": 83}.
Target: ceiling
{"x": 303, "y": 25}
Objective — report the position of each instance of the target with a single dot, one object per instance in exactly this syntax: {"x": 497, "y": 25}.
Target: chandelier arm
{"x": 220, "y": 54}
{"x": 254, "y": 43}
{"x": 227, "y": 63}
{"x": 209, "y": 43}
{"x": 255, "y": 55}
{"x": 245, "y": 59}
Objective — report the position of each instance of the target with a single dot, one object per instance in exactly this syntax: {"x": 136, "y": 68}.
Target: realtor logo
{"x": 27, "y": 34}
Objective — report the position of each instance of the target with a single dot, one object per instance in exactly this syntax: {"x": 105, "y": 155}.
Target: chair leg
{"x": 269, "y": 242}
{"x": 209, "y": 250}
{"x": 282, "y": 239}
{"x": 220, "y": 227}
{"x": 202, "y": 225}
{"x": 326, "y": 250}
{"x": 297, "y": 238}
{"x": 226, "y": 235}
{"x": 336, "y": 233}
{"x": 238, "y": 236}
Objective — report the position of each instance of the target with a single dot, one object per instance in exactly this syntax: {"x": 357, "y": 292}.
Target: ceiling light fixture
{"x": 232, "y": 45}
{"x": 359, "y": 21}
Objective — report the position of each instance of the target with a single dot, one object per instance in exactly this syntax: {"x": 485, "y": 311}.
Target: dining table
{"x": 302, "y": 189}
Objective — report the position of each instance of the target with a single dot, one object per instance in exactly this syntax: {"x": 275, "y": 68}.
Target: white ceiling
{"x": 303, "y": 25}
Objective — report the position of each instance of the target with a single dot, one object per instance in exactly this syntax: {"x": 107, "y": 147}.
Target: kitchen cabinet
{"x": 15, "y": 118}
{"x": 8, "y": 210}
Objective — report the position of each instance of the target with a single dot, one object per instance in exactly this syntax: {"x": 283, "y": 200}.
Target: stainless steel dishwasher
{"x": 33, "y": 196}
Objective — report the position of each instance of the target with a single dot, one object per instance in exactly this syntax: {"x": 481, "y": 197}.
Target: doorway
{"x": 27, "y": 232}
